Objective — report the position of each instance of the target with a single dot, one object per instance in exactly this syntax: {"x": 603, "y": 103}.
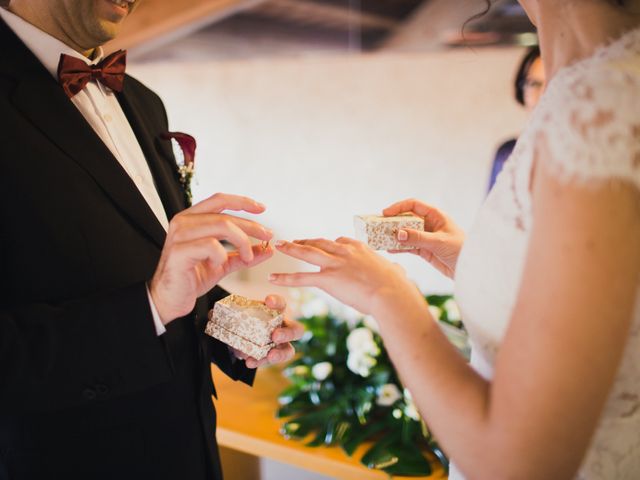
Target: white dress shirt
{"x": 100, "y": 107}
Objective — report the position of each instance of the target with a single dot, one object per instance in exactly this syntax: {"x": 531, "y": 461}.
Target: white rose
{"x": 360, "y": 364}
{"x": 371, "y": 324}
{"x": 322, "y": 370}
{"x": 314, "y": 308}
{"x": 361, "y": 341}
{"x": 436, "y": 313}
{"x": 345, "y": 313}
{"x": 298, "y": 370}
{"x": 388, "y": 394}
{"x": 412, "y": 412}
{"x": 410, "y": 409}
{"x": 351, "y": 315}
{"x": 453, "y": 312}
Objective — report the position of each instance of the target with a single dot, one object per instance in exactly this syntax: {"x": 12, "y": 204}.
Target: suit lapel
{"x": 148, "y": 138}
{"x": 40, "y": 99}
{"x": 44, "y": 103}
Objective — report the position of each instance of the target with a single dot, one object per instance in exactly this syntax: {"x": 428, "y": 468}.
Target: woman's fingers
{"x": 300, "y": 279}
{"x": 411, "y": 205}
{"x": 419, "y": 239}
{"x": 309, "y": 254}
{"x": 397, "y": 252}
{"x": 322, "y": 244}
{"x": 347, "y": 241}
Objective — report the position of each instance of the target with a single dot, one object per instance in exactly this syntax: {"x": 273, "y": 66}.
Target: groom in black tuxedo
{"x": 106, "y": 276}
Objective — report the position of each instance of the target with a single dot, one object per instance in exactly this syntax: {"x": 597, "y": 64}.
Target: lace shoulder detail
{"x": 590, "y": 116}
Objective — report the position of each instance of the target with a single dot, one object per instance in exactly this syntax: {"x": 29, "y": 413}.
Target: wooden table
{"x": 247, "y": 423}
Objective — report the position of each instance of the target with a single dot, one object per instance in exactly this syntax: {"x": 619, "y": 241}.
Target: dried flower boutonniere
{"x": 186, "y": 167}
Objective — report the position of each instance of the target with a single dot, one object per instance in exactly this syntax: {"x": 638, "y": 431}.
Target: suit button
{"x": 102, "y": 389}
{"x": 89, "y": 394}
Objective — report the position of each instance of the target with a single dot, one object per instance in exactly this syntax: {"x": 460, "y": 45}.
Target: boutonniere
{"x": 186, "y": 165}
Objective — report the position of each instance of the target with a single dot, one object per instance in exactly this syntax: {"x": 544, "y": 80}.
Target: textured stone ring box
{"x": 244, "y": 324}
{"x": 381, "y": 233}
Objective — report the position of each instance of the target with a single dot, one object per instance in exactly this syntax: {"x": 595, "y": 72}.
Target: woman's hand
{"x": 439, "y": 244}
{"x": 349, "y": 271}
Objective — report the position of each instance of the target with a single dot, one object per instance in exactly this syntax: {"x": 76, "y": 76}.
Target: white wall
{"x": 321, "y": 139}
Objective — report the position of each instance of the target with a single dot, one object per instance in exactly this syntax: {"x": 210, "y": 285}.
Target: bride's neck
{"x": 572, "y": 30}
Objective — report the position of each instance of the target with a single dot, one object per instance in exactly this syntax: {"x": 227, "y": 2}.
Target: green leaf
{"x": 296, "y": 407}
{"x": 303, "y": 425}
{"x": 379, "y": 456}
{"x": 397, "y": 459}
{"x": 358, "y": 435}
{"x": 288, "y": 395}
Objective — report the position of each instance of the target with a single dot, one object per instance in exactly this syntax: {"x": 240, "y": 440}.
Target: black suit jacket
{"x": 87, "y": 389}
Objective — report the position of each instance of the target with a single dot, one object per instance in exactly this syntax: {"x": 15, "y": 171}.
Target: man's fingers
{"x": 306, "y": 253}
{"x": 306, "y": 279}
{"x": 192, "y": 253}
{"x": 281, "y": 353}
{"x": 222, "y": 201}
{"x": 239, "y": 354}
{"x": 276, "y": 302}
{"x": 251, "y": 362}
{"x": 408, "y": 206}
{"x": 186, "y": 227}
{"x": 278, "y": 354}
{"x": 218, "y": 227}
{"x": 260, "y": 254}
{"x": 290, "y": 331}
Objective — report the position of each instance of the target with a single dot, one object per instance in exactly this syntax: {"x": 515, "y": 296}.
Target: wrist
{"x": 164, "y": 313}
{"x": 393, "y": 303}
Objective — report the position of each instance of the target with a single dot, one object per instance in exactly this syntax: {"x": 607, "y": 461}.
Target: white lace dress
{"x": 590, "y": 116}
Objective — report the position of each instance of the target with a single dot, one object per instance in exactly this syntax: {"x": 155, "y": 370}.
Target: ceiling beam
{"x": 325, "y": 15}
{"x": 157, "y": 22}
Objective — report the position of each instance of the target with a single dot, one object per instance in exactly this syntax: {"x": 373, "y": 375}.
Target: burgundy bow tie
{"x": 74, "y": 73}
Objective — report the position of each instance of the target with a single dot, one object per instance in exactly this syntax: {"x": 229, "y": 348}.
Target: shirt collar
{"x": 45, "y": 47}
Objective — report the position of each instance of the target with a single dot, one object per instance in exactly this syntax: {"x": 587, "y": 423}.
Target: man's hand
{"x": 290, "y": 331}
{"x": 193, "y": 261}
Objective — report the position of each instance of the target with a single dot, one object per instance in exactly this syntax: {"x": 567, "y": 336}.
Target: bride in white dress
{"x": 548, "y": 279}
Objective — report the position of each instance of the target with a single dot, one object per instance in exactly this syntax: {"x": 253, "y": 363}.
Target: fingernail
{"x": 272, "y": 277}
{"x": 280, "y": 243}
{"x": 403, "y": 235}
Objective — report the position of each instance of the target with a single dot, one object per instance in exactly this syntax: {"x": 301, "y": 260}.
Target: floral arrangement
{"x": 186, "y": 167}
{"x": 344, "y": 390}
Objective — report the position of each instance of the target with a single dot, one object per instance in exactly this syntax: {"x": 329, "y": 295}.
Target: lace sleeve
{"x": 592, "y": 124}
